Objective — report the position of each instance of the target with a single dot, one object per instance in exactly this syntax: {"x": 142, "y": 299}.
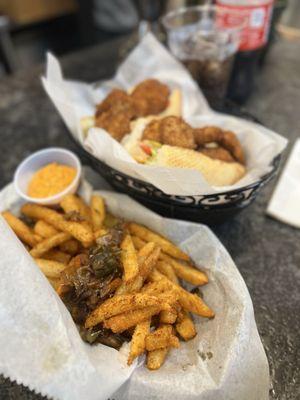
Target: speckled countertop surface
{"x": 266, "y": 252}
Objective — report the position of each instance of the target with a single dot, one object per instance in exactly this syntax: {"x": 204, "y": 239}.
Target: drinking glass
{"x": 205, "y": 41}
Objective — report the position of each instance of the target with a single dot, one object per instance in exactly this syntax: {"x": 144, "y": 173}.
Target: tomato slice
{"x": 147, "y": 149}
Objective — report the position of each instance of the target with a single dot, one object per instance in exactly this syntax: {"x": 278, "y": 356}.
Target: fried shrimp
{"x": 176, "y": 132}
{"x": 152, "y": 131}
{"x": 170, "y": 130}
{"x": 150, "y": 97}
{"x": 217, "y": 153}
{"x": 117, "y": 124}
{"x": 114, "y": 113}
{"x": 230, "y": 142}
{"x": 207, "y": 134}
{"x": 226, "y": 139}
{"x": 117, "y": 101}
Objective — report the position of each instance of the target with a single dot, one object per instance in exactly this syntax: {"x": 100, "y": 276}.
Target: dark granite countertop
{"x": 266, "y": 252}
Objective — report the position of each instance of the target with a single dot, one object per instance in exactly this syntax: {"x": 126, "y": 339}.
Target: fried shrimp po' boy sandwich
{"x": 147, "y": 122}
{"x": 171, "y": 142}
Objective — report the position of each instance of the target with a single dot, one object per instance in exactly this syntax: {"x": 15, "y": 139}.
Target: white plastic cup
{"x": 38, "y": 160}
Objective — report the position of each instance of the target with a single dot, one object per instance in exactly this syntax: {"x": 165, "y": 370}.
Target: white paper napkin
{"x": 285, "y": 202}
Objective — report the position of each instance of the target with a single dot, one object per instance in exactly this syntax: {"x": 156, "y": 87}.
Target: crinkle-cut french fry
{"x": 48, "y": 244}
{"x": 193, "y": 303}
{"x": 37, "y": 237}
{"x": 185, "y": 326}
{"x": 73, "y": 203}
{"x": 145, "y": 250}
{"x": 156, "y": 358}
{"x": 23, "y": 232}
{"x": 167, "y": 246}
{"x": 99, "y": 233}
{"x": 174, "y": 342}
{"x": 185, "y": 271}
{"x": 138, "y": 242}
{"x": 131, "y": 287}
{"x": 85, "y": 211}
{"x": 165, "y": 293}
{"x": 190, "y": 302}
{"x": 52, "y": 269}
{"x": 71, "y": 247}
{"x": 122, "y": 322}
{"x": 44, "y": 230}
{"x": 168, "y": 297}
{"x": 148, "y": 263}
{"x": 156, "y": 287}
{"x": 159, "y": 338}
{"x": 70, "y": 204}
{"x": 167, "y": 270}
{"x": 120, "y": 304}
{"x": 129, "y": 259}
{"x": 98, "y": 212}
{"x": 168, "y": 316}
{"x": 137, "y": 344}
{"x": 164, "y": 336}
{"x": 57, "y": 255}
{"x": 147, "y": 260}
{"x": 77, "y": 230}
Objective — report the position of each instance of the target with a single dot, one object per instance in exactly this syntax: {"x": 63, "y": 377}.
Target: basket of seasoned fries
{"x": 114, "y": 276}
{"x": 150, "y": 132}
{"x": 96, "y": 282}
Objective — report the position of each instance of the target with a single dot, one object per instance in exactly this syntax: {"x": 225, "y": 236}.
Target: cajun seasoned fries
{"x": 119, "y": 280}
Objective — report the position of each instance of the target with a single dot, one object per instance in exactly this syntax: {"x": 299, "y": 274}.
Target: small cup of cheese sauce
{"x": 47, "y": 176}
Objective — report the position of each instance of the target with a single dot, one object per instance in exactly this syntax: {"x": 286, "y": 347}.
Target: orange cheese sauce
{"x": 50, "y": 180}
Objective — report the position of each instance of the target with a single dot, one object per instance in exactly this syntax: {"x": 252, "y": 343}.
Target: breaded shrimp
{"x": 117, "y": 101}
{"x": 152, "y": 131}
{"x": 217, "y": 153}
{"x": 226, "y": 139}
{"x": 170, "y": 130}
{"x": 150, "y": 97}
{"x": 176, "y": 132}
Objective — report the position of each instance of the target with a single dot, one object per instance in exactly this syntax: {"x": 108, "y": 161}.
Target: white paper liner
{"x": 41, "y": 348}
{"x": 75, "y": 100}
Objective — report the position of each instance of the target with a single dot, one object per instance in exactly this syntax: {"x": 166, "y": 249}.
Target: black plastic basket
{"x": 209, "y": 209}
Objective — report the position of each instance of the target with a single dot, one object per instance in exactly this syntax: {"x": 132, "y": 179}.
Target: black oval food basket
{"x": 209, "y": 209}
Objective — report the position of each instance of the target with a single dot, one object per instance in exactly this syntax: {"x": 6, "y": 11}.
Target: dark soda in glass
{"x": 197, "y": 39}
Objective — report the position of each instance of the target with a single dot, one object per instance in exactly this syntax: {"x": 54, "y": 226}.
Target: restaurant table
{"x": 266, "y": 252}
